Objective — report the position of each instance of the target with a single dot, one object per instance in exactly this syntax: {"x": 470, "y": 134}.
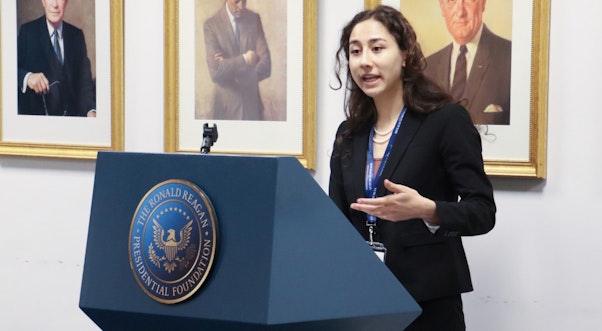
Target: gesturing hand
{"x": 403, "y": 204}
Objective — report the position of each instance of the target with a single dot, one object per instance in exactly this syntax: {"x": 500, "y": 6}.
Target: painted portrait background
{"x": 488, "y": 87}
{"x": 72, "y": 136}
{"x": 80, "y": 13}
{"x": 507, "y": 19}
{"x": 273, "y": 90}
{"x": 426, "y": 18}
{"x": 291, "y": 34}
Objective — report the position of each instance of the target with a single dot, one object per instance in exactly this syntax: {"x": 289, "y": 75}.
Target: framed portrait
{"x": 506, "y": 88}
{"x": 80, "y": 109}
{"x": 249, "y": 72}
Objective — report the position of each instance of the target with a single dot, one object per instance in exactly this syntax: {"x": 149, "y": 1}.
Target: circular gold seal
{"x": 172, "y": 242}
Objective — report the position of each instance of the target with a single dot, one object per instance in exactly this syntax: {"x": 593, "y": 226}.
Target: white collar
{"x": 232, "y": 18}
{"x": 51, "y": 29}
{"x": 472, "y": 45}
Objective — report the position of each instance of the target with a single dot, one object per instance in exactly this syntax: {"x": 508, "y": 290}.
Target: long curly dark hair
{"x": 420, "y": 94}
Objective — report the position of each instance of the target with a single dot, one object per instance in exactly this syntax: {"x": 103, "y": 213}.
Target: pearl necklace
{"x": 383, "y": 140}
{"x": 385, "y": 136}
{"x": 382, "y": 134}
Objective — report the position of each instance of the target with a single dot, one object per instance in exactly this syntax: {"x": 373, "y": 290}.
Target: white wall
{"x": 539, "y": 269}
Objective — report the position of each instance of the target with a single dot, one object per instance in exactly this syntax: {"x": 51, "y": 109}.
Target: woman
{"x": 407, "y": 168}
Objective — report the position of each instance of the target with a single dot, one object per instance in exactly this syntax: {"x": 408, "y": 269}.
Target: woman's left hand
{"x": 403, "y": 204}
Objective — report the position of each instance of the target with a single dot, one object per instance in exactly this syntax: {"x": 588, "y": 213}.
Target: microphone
{"x": 209, "y": 137}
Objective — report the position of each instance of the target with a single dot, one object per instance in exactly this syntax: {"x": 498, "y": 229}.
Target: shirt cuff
{"x": 431, "y": 227}
{"x": 25, "y": 79}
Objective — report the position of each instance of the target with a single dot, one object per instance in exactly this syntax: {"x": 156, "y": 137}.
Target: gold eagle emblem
{"x": 170, "y": 246}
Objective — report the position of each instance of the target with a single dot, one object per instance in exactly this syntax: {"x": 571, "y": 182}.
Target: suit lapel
{"x": 360, "y": 146}
{"x": 410, "y": 125}
{"x": 67, "y": 45}
{"x": 44, "y": 39}
{"x": 244, "y": 31}
{"x": 231, "y": 42}
{"x": 248, "y": 31}
{"x": 479, "y": 65}
{"x": 49, "y": 56}
{"x": 444, "y": 68}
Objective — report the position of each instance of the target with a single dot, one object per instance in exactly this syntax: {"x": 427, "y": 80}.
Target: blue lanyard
{"x": 372, "y": 179}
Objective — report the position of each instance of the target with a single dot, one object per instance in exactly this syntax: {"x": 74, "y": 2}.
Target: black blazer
{"x": 439, "y": 155}
{"x": 75, "y": 95}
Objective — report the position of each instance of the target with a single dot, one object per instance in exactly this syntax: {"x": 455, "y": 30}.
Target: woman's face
{"x": 375, "y": 60}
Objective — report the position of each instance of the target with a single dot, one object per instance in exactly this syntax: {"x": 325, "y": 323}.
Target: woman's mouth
{"x": 370, "y": 78}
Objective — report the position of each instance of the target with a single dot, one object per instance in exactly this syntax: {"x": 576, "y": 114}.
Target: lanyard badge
{"x": 372, "y": 181}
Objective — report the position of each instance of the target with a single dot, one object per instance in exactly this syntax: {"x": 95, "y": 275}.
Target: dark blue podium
{"x": 286, "y": 258}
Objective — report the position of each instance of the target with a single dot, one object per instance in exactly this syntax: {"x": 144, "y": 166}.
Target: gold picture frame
{"x": 534, "y": 163}
{"x": 87, "y": 148}
{"x": 175, "y": 126}
{"x": 369, "y": 4}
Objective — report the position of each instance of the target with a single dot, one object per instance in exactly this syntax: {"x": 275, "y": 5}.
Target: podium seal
{"x": 172, "y": 241}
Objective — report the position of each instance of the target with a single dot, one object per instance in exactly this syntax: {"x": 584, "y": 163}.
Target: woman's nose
{"x": 365, "y": 59}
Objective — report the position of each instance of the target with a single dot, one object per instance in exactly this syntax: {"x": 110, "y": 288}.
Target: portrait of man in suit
{"x": 54, "y": 71}
{"x": 238, "y": 59}
{"x": 475, "y": 65}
